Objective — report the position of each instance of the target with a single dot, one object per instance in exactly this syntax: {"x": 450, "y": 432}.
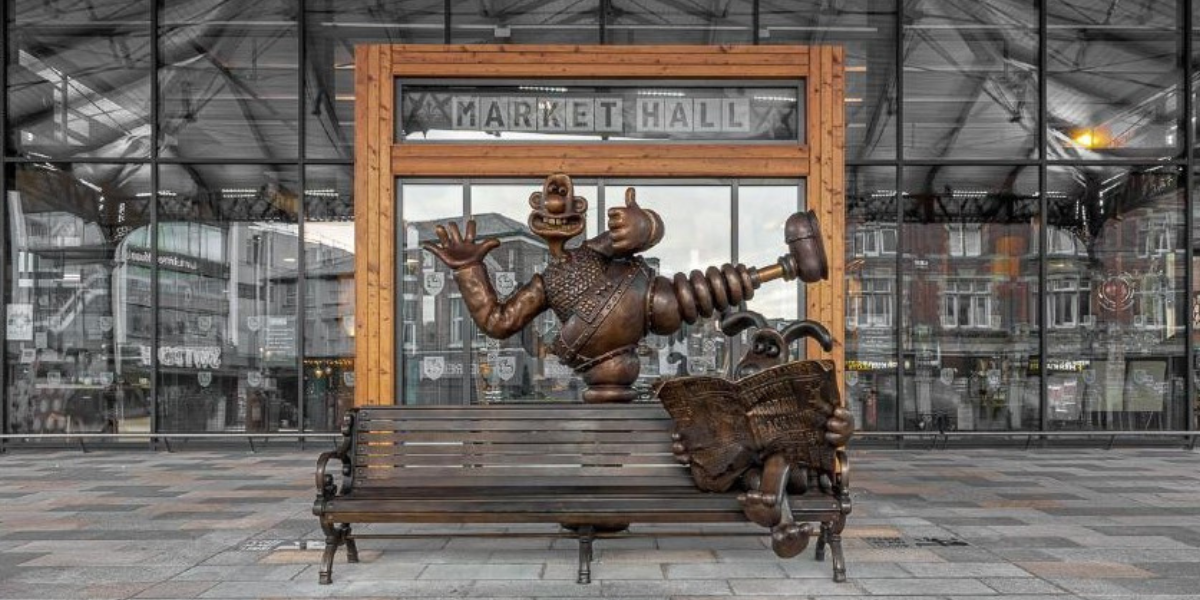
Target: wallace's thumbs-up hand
{"x": 632, "y": 228}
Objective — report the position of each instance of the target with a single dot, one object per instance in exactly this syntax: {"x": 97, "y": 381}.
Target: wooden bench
{"x": 590, "y": 468}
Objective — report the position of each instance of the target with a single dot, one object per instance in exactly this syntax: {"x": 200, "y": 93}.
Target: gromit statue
{"x": 605, "y": 296}
{"x": 777, "y": 428}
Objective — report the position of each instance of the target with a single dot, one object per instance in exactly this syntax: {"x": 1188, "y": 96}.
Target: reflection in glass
{"x": 970, "y": 323}
{"x": 762, "y": 211}
{"x": 871, "y": 246}
{"x": 1114, "y": 298}
{"x": 434, "y": 321}
{"x": 521, "y": 367}
{"x": 1113, "y": 80}
{"x": 867, "y": 30}
{"x": 78, "y": 78}
{"x": 228, "y": 79}
{"x": 509, "y": 22}
{"x": 79, "y": 316}
{"x": 334, "y": 27}
{"x": 1195, "y": 308}
{"x": 970, "y": 81}
{"x": 329, "y": 374}
{"x": 228, "y": 293}
{"x": 680, "y": 22}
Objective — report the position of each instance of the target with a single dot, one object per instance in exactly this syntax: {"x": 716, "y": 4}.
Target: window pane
{"x": 79, "y": 300}
{"x": 433, "y": 362}
{"x": 520, "y": 22}
{"x": 1195, "y": 306}
{"x": 867, "y": 30}
{"x": 871, "y": 297}
{"x": 1119, "y": 362}
{"x": 970, "y": 324}
{"x": 680, "y": 22}
{"x": 228, "y": 296}
{"x": 970, "y": 84}
{"x": 329, "y": 296}
{"x": 78, "y": 78}
{"x": 334, "y": 27}
{"x": 762, "y": 212}
{"x": 1113, "y": 79}
{"x": 228, "y": 79}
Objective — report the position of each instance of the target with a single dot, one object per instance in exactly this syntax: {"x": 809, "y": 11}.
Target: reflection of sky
{"x": 335, "y": 235}
{"x": 697, "y": 220}
{"x": 762, "y": 211}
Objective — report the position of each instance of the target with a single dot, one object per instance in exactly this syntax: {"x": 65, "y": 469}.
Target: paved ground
{"x": 945, "y": 524}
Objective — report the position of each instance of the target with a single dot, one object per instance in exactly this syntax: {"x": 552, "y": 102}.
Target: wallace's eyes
{"x": 773, "y": 351}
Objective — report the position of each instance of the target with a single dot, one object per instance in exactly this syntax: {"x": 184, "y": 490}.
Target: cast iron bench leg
{"x": 835, "y": 544}
{"x": 586, "y": 534}
{"x": 333, "y": 539}
{"x": 822, "y": 540}
{"x": 351, "y": 544}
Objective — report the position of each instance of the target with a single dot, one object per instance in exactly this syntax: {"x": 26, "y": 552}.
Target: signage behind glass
{"x": 609, "y": 111}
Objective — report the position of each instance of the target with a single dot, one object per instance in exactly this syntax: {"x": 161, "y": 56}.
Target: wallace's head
{"x": 558, "y": 214}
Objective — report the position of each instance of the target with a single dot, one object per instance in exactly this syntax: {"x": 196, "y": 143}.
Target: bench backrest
{"x": 516, "y": 445}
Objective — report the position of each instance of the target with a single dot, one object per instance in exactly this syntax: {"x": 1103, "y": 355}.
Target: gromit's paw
{"x": 839, "y": 427}
{"x": 761, "y": 508}
{"x": 790, "y": 539}
{"x": 765, "y": 505}
{"x": 679, "y": 449}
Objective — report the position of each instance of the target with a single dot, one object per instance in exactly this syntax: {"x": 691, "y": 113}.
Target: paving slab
{"x": 947, "y": 525}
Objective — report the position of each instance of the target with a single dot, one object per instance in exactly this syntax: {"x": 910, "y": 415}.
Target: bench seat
{"x": 558, "y": 505}
{"x": 593, "y": 469}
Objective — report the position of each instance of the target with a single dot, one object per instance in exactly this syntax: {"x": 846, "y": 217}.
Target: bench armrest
{"x": 326, "y": 488}
{"x": 325, "y": 484}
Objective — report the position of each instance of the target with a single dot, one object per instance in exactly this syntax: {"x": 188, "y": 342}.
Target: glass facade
{"x": 178, "y": 241}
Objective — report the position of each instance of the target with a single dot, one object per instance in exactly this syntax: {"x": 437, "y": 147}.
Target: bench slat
{"x": 552, "y": 412}
{"x": 523, "y": 471}
{"x": 519, "y": 437}
{"x": 513, "y": 425}
{"x": 460, "y": 479}
{"x": 388, "y": 446}
{"x": 550, "y": 505}
{"x": 372, "y": 456}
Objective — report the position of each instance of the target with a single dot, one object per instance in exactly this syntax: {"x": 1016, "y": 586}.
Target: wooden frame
{"x": 379, "y": 160}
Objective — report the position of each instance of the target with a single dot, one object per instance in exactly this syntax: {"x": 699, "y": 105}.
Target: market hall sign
{"x": 431, "y": 112}
{"x": 600, "y": 115}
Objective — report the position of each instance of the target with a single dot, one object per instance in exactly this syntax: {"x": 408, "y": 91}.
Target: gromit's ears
{"x": 811, "y": 329}
{"x": 735, "y": 323}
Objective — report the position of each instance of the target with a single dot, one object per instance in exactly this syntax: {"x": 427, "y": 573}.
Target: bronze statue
{"x": 778, "y": 428}
{"x": 604, "y": 295}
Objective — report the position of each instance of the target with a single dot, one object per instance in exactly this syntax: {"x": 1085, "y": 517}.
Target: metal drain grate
{"x": 886, "y": 542}
{"x": 943, "y": 542}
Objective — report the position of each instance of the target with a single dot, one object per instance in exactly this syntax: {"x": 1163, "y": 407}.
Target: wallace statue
{"x": 605, "y": 296}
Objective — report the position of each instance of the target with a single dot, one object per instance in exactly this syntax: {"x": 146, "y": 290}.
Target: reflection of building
{"x": 970, "y": 332}
{"x": 61, "y": 323}
{"x": 82, "y": 333}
